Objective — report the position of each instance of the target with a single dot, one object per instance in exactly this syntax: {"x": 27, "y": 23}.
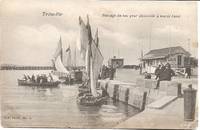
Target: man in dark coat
{"x": 165, "y": 75}
{"x": 112, "y": 73}
{"x": 157, "y": 71}
{"x": 188, "y": 72}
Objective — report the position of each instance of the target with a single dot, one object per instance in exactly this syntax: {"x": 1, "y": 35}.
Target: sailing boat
{"x": 93, "y": 58}
{"x": 57, "y": 60}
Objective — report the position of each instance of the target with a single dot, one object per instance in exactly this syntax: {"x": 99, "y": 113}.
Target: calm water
{"x": 44, "y": 107}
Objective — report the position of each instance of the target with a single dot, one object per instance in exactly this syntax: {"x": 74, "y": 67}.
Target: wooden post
{"x": 116, "y": 92}
{"x": 127, "y": 95}
{"x": 144, "y": 101}
{"x": 179, "y": 90}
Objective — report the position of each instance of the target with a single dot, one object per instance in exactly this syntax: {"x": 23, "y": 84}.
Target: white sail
{"x": 83, "y": 43}
{"x": 58, "y": 60}
{"x": 91, "y": 54}
{"x": 83, "y": 39}
{"x": 59, "y": 65}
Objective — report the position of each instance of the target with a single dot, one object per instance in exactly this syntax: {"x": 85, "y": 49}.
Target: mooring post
{"x": 116, "y": 92}
{"x": 144, "y": 101}
{"x": 179, "y": 90}
{"x": 126, "y": 95}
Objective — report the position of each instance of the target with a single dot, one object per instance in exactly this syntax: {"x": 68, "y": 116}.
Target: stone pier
{"x": 143, "y": 93}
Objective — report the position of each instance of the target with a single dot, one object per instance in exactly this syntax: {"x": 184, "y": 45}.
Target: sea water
{"x": 24, "y": 106}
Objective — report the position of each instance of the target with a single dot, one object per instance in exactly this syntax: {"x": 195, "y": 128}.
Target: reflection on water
{"x": 54, "y": 107}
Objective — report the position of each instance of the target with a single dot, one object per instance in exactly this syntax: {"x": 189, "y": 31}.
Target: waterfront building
{"x": 177, "y": 56}
{"x": 116, "y": 62}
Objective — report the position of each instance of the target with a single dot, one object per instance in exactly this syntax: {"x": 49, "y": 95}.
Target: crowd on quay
{"x": 165, "y": 73}
{"x": 107, "y": 72}
{"x": 43, "y": 78}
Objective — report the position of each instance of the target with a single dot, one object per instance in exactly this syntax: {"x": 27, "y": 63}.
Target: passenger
{"x": 44, "y": 78}
{"x": 29, "y": 78}
{"x": 50, "y": 78}
{"x": 41, "y": 79}
{"x": 165, "y": 75}
{"x": 38, "y": 79}
{"x": 33, "y": 78}
{"x": 25, "y": 77}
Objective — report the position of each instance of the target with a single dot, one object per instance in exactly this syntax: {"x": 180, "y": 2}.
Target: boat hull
{"x": 48, "y": 84}
{"x": 87, "y": 99}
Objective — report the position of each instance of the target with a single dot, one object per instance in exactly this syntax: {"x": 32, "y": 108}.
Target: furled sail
{"x": 96, "y": 38}
{"x": 58, "y": 59}
{"x": 95, "y": 67}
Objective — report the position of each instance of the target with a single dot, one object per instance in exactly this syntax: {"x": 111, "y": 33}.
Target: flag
{"x": 68, "y": 49}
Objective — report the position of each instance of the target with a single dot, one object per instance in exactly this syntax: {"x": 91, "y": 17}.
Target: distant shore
{"x": 16, "y": 67}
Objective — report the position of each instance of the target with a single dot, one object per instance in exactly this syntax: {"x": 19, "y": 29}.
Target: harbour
{"x": 42, "y": 107}
{"x": 96, "y": 66}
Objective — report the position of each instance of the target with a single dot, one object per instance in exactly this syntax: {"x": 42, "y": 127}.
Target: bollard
{"x": 144, "y": 101}
{"x": 189, "y": 103}
{"x": 179, "y": 90}
{"x": 116, "y": 92}
{"x": 127, "y": 95}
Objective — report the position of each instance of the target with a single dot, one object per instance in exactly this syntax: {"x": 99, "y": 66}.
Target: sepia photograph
{"x": 98, "y": 64}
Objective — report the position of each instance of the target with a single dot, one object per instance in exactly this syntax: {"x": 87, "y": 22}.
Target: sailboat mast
{"x": 61, "y": 53}
{"x": 75, "y": 57}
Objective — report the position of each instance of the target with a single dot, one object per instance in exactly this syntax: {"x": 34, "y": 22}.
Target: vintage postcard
{"x": 98, "y": 64}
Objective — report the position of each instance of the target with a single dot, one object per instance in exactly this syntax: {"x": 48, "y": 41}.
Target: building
{"x": 116, "y": 62}
{"x": 176, "y": 56}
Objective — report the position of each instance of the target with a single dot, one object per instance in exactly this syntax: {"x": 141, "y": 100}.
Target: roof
{"x": 164, "y": 52}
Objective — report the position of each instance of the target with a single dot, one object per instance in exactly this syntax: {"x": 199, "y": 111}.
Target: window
{"x": 179, "y": 59}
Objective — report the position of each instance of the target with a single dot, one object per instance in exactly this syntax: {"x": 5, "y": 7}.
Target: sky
{"x": 29, "y": 38}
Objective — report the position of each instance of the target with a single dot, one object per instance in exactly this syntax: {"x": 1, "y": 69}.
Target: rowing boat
{"x": 29, "y": 83}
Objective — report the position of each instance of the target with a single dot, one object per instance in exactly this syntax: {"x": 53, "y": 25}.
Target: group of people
{"x": 38, "y": 78}
{"x": 163, "y": 73}
{"x": 107, "y": 72}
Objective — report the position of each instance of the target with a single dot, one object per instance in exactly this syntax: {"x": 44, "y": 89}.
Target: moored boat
{"x": 89, "y": 100}
{"x": 88, "y": 93}
{"x": 29, "y": 83}
{"x": 67, "y": 75}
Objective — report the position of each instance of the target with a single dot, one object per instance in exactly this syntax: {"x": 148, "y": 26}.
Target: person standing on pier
{"x": 188, "y": 72}
{"x": 165, "y": 75}
{"x": 157, "y": 71}
{"x": 112, "y": 72}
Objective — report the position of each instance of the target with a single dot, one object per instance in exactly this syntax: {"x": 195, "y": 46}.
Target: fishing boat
{"x": 65, "y": 75}
{"x": 91, "y": 54}
{"x": 29, "y": 83}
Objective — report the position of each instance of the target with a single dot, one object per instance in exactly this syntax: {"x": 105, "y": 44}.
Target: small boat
{"x": 91, "y": 54}
{"x": 28, "y": 83}
{"x": 67, "y": 75}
